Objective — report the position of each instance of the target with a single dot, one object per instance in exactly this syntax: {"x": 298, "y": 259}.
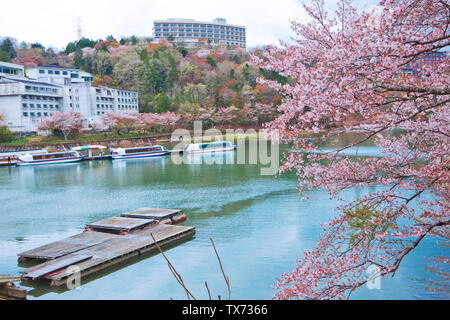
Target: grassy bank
{"x": 82, "y": 138}
{"x": 99, "y": 137}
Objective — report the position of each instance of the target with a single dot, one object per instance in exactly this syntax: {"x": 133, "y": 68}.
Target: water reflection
{"x": 209, "y": 158}
{"x": 258, "y": 223}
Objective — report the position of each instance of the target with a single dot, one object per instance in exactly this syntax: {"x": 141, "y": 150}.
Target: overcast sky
{"x": 53, "y": 22}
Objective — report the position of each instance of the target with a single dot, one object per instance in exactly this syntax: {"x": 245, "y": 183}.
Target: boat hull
{"x": 44, "y": 162}
{"x": 139, "y": 155}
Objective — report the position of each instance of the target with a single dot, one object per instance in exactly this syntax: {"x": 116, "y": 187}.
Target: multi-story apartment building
{"x": 58, "y": 75}
{"x": 113, "y": 100}
{"x": 24, "y": 102}
{"x": 192, "y": 33}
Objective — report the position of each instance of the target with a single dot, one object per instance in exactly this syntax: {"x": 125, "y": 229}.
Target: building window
{"x": 56, "y": 71}
{"x": 41, "y": 71}
{"x": 25, "y": 114}
{"x": 50, "y": 71}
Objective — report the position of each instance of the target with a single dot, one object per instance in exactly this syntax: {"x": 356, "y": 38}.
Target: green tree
{"x": 127, "y": 69}
{"x": 212, "y": 62}
{"x": 5, "y": 134}
{"x": 184, "y": 52}
{"x": 37, "y": 45}
{"x": 133, "y": 40}
{"x": 162, "y": 103}
{"x": 78, "y": 60}
{"x": 8, "y": 47}
{"x": 4, "y": 56}
{"x": 102, "y": 63}
{"x": 171, "y": 38}
{"x": 80, "y": 44}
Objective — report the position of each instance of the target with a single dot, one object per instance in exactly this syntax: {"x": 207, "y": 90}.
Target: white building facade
{"x": 192, "y": 33}
{"x": 24, "y": 102}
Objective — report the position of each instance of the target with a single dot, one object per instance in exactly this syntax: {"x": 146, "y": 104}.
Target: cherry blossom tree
{"x": 65, "y": 122}
{"x": 361, "y": 66}
{"x": 117, "y": 121}
{"x": 169, "y": 119}
{"x": 147, "y": 121}
{"x": 223, "y": 115}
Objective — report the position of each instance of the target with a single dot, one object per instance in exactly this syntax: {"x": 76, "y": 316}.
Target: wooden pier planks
{"x": 152, "y": 213}
{"x": 66, "y": 246}
{"x": 100, "y": 247}
{"x": 129, "y": 246}
{"x": 105, "y": 253}
{"x": 121, "y": 224}
{"x": 53, "y": 265}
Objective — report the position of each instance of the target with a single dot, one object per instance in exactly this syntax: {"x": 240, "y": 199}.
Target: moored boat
{"x": 210, "y": 147}
{"x": 139, "y": 152}
{"x": 49, "y": 158}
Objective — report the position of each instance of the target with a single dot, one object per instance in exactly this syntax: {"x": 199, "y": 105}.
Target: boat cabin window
{"x": 54, "y": 156}
{"x": 214, "y": 145}
{"x": 143, "y": 149}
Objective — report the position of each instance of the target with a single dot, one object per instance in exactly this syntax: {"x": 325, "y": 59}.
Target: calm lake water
{"x": 258, "y": 223}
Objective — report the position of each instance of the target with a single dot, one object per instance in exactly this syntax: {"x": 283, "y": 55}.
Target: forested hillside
{"x": 215, "y": 84}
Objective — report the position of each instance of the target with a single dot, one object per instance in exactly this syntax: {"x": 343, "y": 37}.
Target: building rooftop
{"x": 215, "y": 21}
{"x": 32, "y": 82}
{"x": 11, "y": 65}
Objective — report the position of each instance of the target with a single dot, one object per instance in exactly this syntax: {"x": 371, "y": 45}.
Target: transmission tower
{"x": 79, "y": 27}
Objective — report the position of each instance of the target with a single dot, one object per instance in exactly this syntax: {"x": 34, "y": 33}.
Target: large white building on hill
{"x": 25, "y": 101}
{"x": 192, "y": 33}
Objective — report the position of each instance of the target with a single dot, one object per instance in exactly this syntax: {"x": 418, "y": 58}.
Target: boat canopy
{"x": 93, "y": 147}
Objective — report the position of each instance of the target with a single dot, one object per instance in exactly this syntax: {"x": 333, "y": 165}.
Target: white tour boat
{"x": 139, "y": 152}
{"x": 209, "y": 147}
{"x": 49, "y": 158}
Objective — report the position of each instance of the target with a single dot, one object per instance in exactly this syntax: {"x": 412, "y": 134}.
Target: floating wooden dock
{"x": 105, "y": 243}
{"x": 8, "y": 290}
{"x": 162, "y": 215}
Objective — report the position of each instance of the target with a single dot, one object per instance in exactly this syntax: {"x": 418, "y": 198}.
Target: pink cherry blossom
{"x": 360, "y": 70}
